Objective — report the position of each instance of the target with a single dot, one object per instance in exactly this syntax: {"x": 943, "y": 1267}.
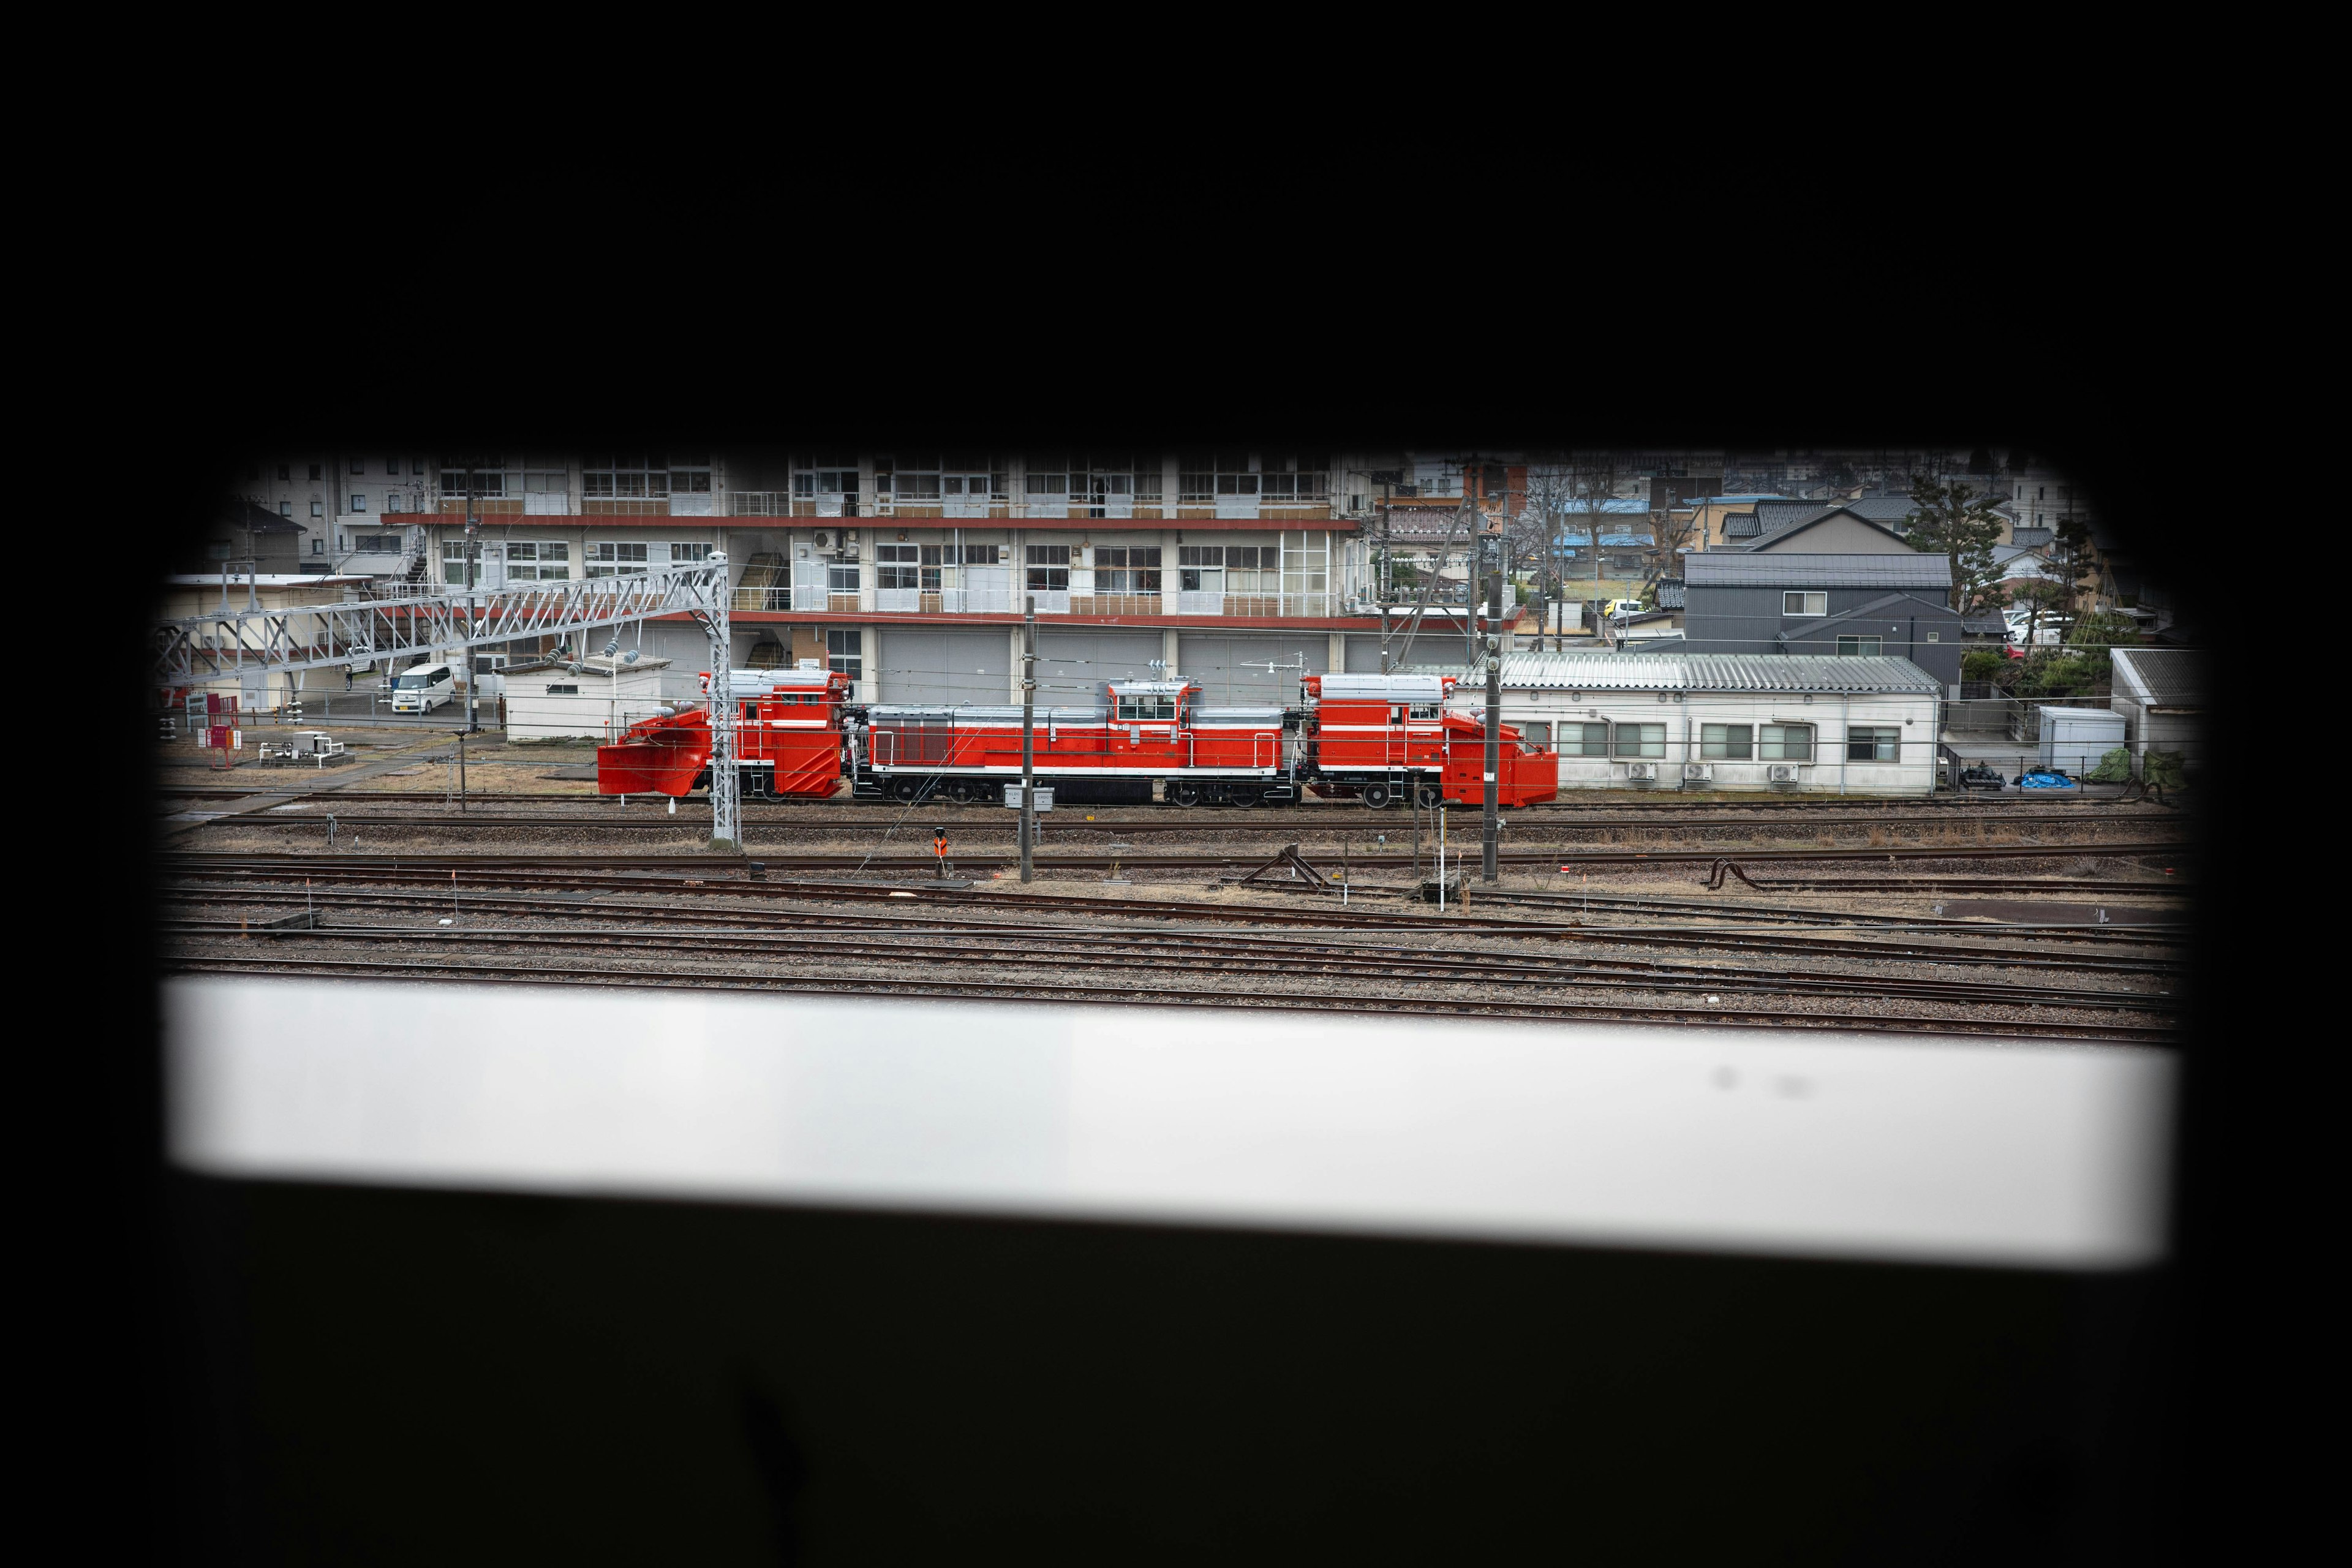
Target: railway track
{"x": 1187, "y": 955}
{"x": 1315, "y": 820}
{"x": 1049, "y": 858}
{"x": 434, "y": 892}
{"x": 1940, "y": 806}
{"x": 1324, "y": 1002}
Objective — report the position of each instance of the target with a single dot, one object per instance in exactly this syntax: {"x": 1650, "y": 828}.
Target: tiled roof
{"x": 1820, "y": 673}
{"x": 1728, "y": 568}
{"x": 2162, "y": 677}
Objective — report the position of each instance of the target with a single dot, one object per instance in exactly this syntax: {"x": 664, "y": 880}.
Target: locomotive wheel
{"x": 1376, "y": 795}
{"x": 906, "y": 788}
{"x": 1428, "y": 795}
{"x": 1186, "y": 794}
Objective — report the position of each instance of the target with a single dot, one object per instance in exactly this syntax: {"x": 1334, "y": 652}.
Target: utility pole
{"x": 1494, "y": 746}
{"x": 473, "y": 552}
{"x": 1028, "y": 732}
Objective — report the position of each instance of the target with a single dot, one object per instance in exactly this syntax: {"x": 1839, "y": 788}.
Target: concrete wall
{"x": 940, "y": 664}
{"x": 1220, "y": 662}
{"x": 1072, "y": 665}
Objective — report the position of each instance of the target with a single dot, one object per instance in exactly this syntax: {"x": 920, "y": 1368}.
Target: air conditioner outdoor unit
{"x": 824, "y": 538}
{"x": 1698, "y": 770}
{"x": 1641, "y": 769}
{"x": 1781, "y": 773}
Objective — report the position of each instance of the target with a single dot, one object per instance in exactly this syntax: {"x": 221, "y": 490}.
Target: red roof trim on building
{"x": 1180, "y": 623}
{"x": 754, "y": 523}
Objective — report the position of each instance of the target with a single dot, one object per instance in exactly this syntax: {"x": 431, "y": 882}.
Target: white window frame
{"x": 1716, "y": 741}
{"x": 1805, "y": 599}
{"x": 1772, "y": 749}
{"x": 1646, "y": 747}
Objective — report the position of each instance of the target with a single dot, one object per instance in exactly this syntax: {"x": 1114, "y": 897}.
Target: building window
{"x": 546, "y": 476}
{"x": 1127, "y": 569}
{"x": 840, "y": 578}
{"x": 359, "y": 466}
{"x": 1048, "y": 481}
{"x": 563, "y": 691}
{"x": 613, "y": 559}
{"x": 391, "y": 466}
{"x": 1147, "y": 481}
{"x": 641, "y": 476}
{"x": 1538, "y": 734}
{"x": 318, "y": 545}
{"x": 375, "y": 543}
{"x": 462, "y": 477}
{"x": 317, "y": 509}
{"x": 1235, "y": 477}
{"x": 1788, "y": 743}
{"x": 1872, "y": 744}
{"x": 538, "y": 560}
{"x": 1859, "y": 647}
{"x": 1804, "y": 603}
{"x": 1196, "y": 479}
{"x": 845, "y": 649}
{"x": 907, "y": 479}
{"x": 1132, "y": 707}
{"x": 1297, "y": 478}
{"x": 1727, "y": 742}
{"x": 1641, "y": 739}
{"x": 684, "y": 553}
{"x": 284, "y": 474}
{"x": 286, "y": 508}
{"x": 1584, "y": 740}
{"x": 1049, "y": 569}
{"x": 358, "y": 501}
{"x": 314, "y": 471}
{"x": 897, "y": 566}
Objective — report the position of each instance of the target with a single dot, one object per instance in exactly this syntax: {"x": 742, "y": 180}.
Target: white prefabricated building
{"x": 1838, "y": 725}
{"x": 2075, "y": 739}
{"x": 550, "y": 701}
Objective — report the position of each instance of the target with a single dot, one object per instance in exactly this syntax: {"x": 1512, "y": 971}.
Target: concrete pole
{"x": 1028, "y": 732}
{"x": 1493, "y": 747}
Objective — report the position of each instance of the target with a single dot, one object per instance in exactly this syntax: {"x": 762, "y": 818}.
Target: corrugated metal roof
{"x": 1708, "y": 568}
{"x": 2162, "y": 677}
{"x": 1823, "y": 674}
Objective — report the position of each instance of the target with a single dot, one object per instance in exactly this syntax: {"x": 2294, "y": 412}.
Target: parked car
{"x": 424, "y": 689}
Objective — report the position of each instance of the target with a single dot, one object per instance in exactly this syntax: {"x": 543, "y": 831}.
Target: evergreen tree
{"x": 1953, "y": 519}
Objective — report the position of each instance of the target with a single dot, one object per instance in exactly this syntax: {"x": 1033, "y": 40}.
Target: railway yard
{"x": 2017, "y": 918}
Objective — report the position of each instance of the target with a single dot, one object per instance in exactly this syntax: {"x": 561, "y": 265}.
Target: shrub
{"x": 1982, "y": 664}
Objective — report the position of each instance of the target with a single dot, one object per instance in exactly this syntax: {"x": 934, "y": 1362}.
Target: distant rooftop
{"x": 1728, "y": 568}
{"x": 1647, "y": 671}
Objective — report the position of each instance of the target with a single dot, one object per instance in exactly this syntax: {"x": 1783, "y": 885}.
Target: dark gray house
{"x": 1897, "y": 606}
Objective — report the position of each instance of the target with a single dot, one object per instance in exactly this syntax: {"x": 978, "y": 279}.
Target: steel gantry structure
{"x": 230, "y": 643}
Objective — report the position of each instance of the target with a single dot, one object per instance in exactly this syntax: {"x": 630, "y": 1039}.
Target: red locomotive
{"x": 1379, "y": 738}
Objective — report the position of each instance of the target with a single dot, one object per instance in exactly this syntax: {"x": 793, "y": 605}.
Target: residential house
{"x": 1836, "y": 529}
{"x": 1894, "y": 603}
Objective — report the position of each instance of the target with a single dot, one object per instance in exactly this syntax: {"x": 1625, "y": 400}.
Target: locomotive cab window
{"x": 1145, "y": 708}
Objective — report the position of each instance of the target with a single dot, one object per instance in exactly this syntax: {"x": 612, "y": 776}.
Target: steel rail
{"x": 1318, "y": 1002}
{"x": 1183, "y": 955}
{"x": 1202, "y": 861}
{"x": 1777, "y": 942}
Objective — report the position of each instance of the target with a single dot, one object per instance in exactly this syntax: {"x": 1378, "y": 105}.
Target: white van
{"x": 422, "y": 688}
